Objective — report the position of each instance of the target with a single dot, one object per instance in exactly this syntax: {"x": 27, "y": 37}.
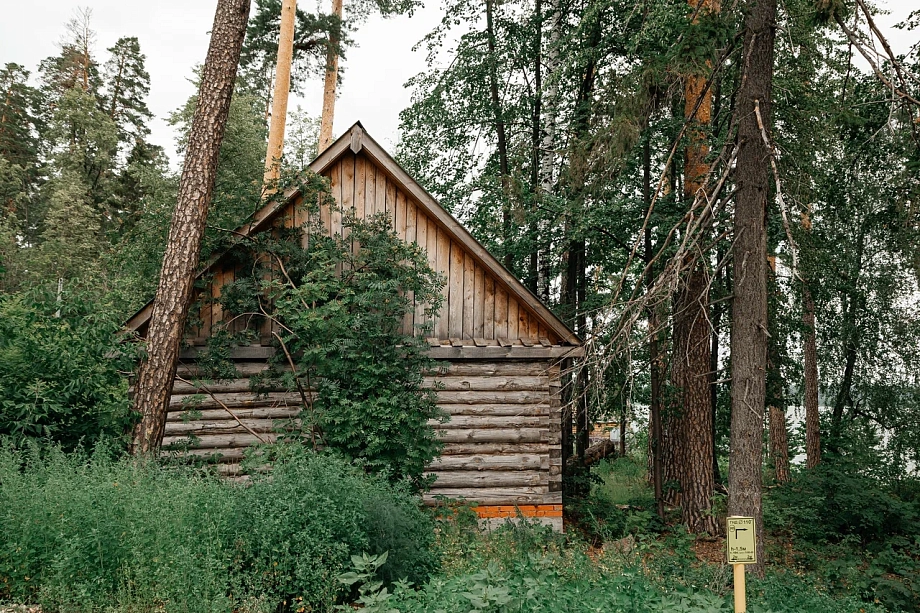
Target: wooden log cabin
{"x": 500, "y": 351}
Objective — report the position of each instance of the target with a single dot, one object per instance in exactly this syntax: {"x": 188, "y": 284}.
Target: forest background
{"x": 593, "y": 147}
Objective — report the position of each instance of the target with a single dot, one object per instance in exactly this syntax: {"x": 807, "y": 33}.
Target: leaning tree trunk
{"x": 180, "y": 262}
{"x": 749, "y": 309}
{"x": 331, "y": 81}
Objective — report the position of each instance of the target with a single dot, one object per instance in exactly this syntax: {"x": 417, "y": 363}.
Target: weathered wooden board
{"x": 497, "y": 496}
{"x": 496, "y": 478}
{"x": 455, "y": 291}
{"x": 491, "y": 397}
{"x": 237, "y": 441}
{"x": 486, "y": 369}
{"x": 486, "y": 422}
{"x": 488, "y": 462}
{"x": 459, "y": 449}
{"x": 496, "y": 410}
{"x": 522, "y": 435}
{"x": 451, "y": 382}
{"x": 183, "y": 402}
{"x": 222, "y": 414}
{"x": 226, "y": 426}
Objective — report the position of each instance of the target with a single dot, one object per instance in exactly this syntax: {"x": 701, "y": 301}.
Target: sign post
{"x": 741, "y": 543}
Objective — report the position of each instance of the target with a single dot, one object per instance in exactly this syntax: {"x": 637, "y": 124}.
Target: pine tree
{"x": 749, "y": 308}
{"x": 21, "y": 167}
{"x": 127, "y": 85}
{"x": 84, "y": 143}
{"x": 70, "y": 242}
{"x": 75, "y": 67}
{"x": 174, "y": 293}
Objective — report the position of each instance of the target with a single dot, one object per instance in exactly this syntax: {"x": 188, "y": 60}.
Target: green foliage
{"x": 853, "y": 530}
{"x": 62, "y": 369}
{"x": 339, "y": 304}
{"x": 346, "y": 329}
{"x": 835, "y": 501}
{"x": 127, "y": 87}
{"x": 509, "y": 570}
{"x": 240, "y": 166}
{"x": 94, "y": 532}
{"x": 304, "y": 520}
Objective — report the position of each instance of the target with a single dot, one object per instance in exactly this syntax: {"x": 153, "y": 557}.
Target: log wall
{"x": 502, "y": 443}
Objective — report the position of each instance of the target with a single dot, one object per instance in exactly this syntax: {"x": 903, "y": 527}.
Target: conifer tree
{"x": 127, "y": 85}
{"x": 196, "y": 187}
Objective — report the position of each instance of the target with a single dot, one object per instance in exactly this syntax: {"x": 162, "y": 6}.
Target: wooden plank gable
{"x": 481, "y": 300}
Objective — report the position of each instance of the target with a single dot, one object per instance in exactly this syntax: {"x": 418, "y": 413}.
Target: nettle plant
{"x": 336, "y": 306}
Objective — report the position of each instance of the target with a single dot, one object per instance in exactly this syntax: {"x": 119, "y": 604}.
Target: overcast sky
{"x": 174, "y": 36}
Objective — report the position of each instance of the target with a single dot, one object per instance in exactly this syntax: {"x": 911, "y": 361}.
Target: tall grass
{"x": 93, "y": 532}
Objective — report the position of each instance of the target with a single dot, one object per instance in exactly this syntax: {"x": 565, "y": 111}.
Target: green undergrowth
{"x": 528, "y": 568}
{"x": 81, "y": 532}
{"x": 100, "y": 532}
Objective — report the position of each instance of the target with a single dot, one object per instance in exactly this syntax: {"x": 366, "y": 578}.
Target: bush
{"x": 834, "y": 502}
{"x": 61, "y": 370}
{"x": 85, "y": 532}
{"x": 300, "y": 524}
{"x": 340, "y": 311}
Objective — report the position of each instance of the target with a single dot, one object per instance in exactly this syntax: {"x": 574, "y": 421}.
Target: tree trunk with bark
{"x": 330, "y": 81}
{"x": 180, "y": 262}
{"x": 749, "y": 309}
{"x": 695, "y": 435}
{"x": 812, "y": 417}
{"x": 691, "y": 366}
{"x": 654, "y": 353}
{"x": 779, "y": 444}
{"x": 280, "y": 98}
{"x": 501, "y": 140}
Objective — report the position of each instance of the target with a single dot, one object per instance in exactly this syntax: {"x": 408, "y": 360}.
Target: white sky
{"x": 174, "y": 36}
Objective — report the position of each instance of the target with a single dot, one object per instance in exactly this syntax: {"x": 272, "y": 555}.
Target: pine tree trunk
{"x": 692, "y": 379}
{"x": 749, "y": 309}
{"x": 696, "y": 479}
{"x": 812, "y": 417}
{"x": 672, "y": 447}
{"x": 330, "y": 82}
{"x": 779, "y": 444}
{"x": 180, "y": 262}
{"x": 280, "y": 98}
{"x": 654, "y": 353}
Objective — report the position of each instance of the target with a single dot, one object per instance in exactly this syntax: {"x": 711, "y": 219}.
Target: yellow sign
{"x": 741, "y": 541}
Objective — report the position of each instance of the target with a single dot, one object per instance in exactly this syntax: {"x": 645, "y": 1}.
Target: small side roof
{"x": 357, "y": 140}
